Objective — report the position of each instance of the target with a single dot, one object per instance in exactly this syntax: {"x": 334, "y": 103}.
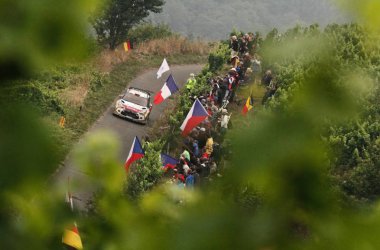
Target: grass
{"x": 257, "y": 90}
{"x": 173, "y": 45}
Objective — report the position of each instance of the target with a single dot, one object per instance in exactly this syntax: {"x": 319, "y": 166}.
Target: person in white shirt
{"x": 256, "y": 68}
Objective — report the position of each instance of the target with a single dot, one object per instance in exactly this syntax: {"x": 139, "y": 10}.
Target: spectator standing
{"x": 186, "y": 154}
{"x": 234, "y": 45}
{"x": 235, "y": 61}
{"x": 233, "y": 77}
{"x": 209, "y": 146}
{"x": 256, "y": 68}
{"x": 271, "y": 89}
{"x": 225, "y": 118}
{"x": 267, "y": 78}
{"x": 243, "y": 46}
{"x": 190, "y": 84}
{"x": 195, "y": 148}
{"x": 251, "y": 42}
{"x": 197, "y": 177}
{"x": 190, "y": 180}
{"x": 246, "y": 64}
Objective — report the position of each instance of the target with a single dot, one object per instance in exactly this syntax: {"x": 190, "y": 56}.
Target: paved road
{"x": 125, "y": 130}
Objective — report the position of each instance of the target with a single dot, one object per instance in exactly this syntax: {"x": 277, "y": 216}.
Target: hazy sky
{"x": 214, "y": 19}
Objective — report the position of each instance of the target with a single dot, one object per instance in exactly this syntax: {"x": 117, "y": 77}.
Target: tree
{"x": 119, "y": 16}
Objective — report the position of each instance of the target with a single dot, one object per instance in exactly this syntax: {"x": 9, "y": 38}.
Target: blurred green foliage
{"x": 38, "y": 33}
{"x": 343, "y": 60}
{"x": 328, "y": 98}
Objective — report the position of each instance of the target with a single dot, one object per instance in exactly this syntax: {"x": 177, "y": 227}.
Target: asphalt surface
{"x": 125, "y": 130}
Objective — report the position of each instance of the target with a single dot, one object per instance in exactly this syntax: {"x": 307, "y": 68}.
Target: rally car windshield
{"x": 129, "y": 97}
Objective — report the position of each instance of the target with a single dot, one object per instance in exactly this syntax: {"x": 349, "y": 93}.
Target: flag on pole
{"x": 169, "y": 88}
{"x": 127, "y": 46}
{"x": 135, "y": 153}
{"x": 168, "y": 162}
{"x": 164, "y": 67}
{"x": 72, "y": 238}
{"x": 248, "y": 105}
{"x": 69, "y": 200}
{"x": 62, "y": 122}
{"x": 196, "y": 115}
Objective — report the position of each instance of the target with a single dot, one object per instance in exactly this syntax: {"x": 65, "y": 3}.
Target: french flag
{"x": 168, "y": 162}
{"x": 135, "y": 153}
{"x": 167, "y": 90}
{"x": 196, "y": 115}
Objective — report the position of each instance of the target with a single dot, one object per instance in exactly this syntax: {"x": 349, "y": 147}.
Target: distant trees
{"x": 117, "y": 17}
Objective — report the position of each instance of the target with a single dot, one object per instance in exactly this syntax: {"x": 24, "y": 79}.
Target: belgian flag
{"x": 71, "y": 238}
{"x": 248, "y": 105}
{"x": 127, "y": 46}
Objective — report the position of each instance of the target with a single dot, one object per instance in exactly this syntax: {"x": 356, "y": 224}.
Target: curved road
{"x": 125, "y": 130}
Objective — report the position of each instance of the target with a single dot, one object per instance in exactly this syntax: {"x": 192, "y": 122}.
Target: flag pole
{"x": 69, "y": 195}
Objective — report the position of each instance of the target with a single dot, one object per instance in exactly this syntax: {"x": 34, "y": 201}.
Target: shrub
{"x": 148, "y": 31}
{"x": 145, "y": 173}
{"x": 218, "y": 57}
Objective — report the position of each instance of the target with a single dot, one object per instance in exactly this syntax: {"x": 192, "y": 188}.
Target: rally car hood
{"x": 131, "y": 106}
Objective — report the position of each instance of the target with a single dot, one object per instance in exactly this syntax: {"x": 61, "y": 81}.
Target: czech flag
{"x": 168, "y": 162}
{"x": 196, "y": 115}
{"x": 135, "y": 153}
{"x": 127, "y": 46}
{"x": 72, "y": 238}
{"x": 248, "y": 105}
{"x": 167, "y": 90}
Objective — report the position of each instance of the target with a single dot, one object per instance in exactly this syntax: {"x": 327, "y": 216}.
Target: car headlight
{"x": 142, "y": 113}
{"x": 119, "y": 104}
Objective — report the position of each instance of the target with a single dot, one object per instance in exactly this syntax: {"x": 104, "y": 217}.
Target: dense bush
{"x": 346, "y": 63}
{"x": 218, "y": 57}
{"x": 149, "y": 31}
{"x": 146, "y": 173}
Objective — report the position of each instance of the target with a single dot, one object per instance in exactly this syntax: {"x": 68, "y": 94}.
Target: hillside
{"x": 202, "y": 19}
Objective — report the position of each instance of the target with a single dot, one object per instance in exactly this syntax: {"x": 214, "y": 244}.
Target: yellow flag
{"x": 248, "y": 105}
{"x": 71, "y": 238}
{"x": 127, "y": 46}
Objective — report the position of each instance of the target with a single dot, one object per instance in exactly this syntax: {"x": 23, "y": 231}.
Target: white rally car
{"x": 134, "y": 105}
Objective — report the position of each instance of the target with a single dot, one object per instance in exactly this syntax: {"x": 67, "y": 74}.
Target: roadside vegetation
{"x": 342, "y": 61}
{"x": 294, "y": 174}
{"x": 82, "y": 91}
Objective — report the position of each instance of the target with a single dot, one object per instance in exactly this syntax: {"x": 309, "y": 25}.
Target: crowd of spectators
{"x": 202, "y": 151}
{"x": 241, "y": 60}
